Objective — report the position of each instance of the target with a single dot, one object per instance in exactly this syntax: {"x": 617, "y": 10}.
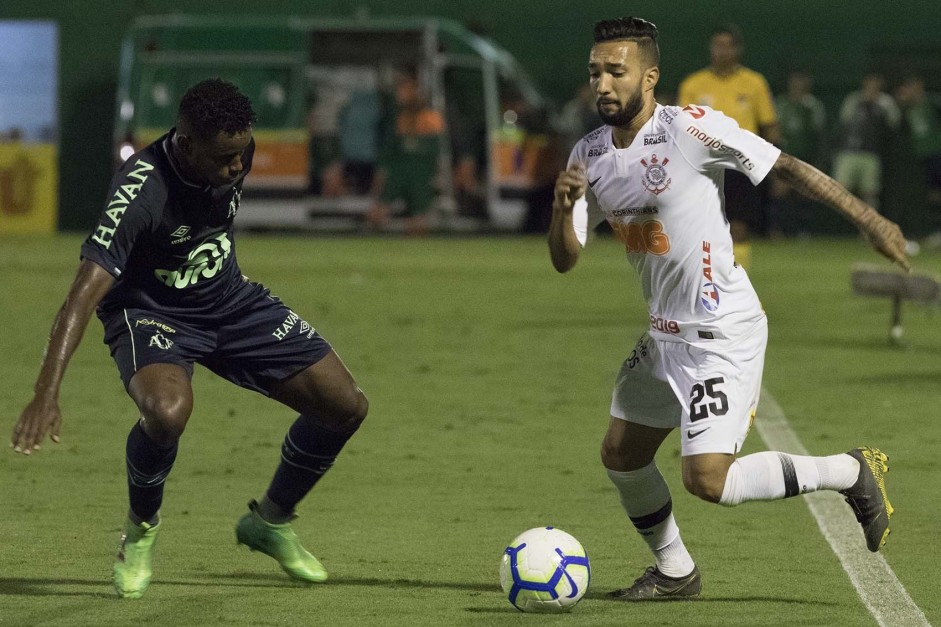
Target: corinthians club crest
{"x": 656, "y": 179}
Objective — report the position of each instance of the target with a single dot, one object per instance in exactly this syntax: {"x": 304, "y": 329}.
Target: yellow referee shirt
{"x": 743, "y": 95}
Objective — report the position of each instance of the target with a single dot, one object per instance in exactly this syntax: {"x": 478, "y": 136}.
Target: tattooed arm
{"x": 884, "y": 235}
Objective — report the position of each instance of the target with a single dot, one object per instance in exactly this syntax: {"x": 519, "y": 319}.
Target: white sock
{"x": 770, "y": 476}
{"x": 646, "y": 499}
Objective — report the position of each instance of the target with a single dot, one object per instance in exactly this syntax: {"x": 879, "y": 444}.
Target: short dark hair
{"x": 730, "y": 29}
{"x": 215, "y": 105}
{"x": 634, "y": 29}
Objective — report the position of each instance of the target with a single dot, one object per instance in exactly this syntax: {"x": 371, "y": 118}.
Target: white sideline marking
{"x": 875, "y": 582}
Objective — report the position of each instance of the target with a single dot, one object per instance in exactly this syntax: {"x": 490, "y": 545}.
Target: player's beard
{"x": 623, "y": 116}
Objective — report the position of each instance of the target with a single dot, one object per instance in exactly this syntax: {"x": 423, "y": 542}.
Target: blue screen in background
{"x": 29, "y": 59}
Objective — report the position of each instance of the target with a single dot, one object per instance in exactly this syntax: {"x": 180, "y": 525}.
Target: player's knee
{"x": 706, "y": 485}
{"x": 611, "y": 455}
{"x": 349, "y": 411}
{"x": 165, "y": 417}
{"x": 360, "y": 408}
{"x": 622, "y": 457}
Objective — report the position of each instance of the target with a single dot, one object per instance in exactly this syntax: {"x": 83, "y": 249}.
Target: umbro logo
{"x": 180, "y": 235}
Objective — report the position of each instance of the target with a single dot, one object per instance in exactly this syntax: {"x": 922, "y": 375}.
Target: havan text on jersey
{"x": 123, "y": 196}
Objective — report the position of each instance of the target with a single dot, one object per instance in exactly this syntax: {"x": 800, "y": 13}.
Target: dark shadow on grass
{"x": 603, "y": 596}
{"x": 372, "y": 582}
{"x": 101, "y": 588}
{"x": 40, "y": 586}
{"x": 591, "y": 597}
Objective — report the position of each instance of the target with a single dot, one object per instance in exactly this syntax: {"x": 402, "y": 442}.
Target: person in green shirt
{"x": 923, "y": 116}
{"x": 801, "y": 120}
{"x": 408, "y": 163}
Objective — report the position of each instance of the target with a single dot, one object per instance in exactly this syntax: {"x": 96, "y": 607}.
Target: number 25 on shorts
{"x": 700, "y": 407}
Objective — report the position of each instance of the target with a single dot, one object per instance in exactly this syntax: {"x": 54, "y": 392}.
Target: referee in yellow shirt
{"x": 742, "y": 94}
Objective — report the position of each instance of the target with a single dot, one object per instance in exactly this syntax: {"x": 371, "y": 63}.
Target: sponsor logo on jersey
{"x": 203, "y": 262}
{"x": 716, "y": 144}
{"x": 635, "y": 211}
{"x": 180, "y": 235}
{"x": 642, "y": 237}
{"x": 119, "y": 202}
{"x": 234, "y": 204}
{"x": 289, "y": 323}
{"x": 150, "y": 322}
{"x": 694, "y": 111}
{"x": 597, "y": 151}
{"x": 158, "y": 340}
{"x": 592, "y": 136}
{"x": 653, "y": 140}
{"x": 709, "y": 293}
{"x": 656, "y": 180}
{"x": 663, "y": 325}
{"x": 667, "y": 114}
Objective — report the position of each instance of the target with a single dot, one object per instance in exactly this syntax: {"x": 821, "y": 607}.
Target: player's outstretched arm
{"x": 42, "y": 415}
{"x": 563, "y": 243}
{"x": 884, "y": 235}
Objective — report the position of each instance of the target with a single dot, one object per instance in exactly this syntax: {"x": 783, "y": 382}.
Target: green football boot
{"x": 281, "y": 543}
{"x": 134, "y": 564}
{"x": 867, "y": 496}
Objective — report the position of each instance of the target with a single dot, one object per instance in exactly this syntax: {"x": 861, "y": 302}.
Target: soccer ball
{"x": 544, "y": 570}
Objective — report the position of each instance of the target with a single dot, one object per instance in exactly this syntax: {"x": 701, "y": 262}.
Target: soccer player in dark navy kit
{"x": 160, "y": 267}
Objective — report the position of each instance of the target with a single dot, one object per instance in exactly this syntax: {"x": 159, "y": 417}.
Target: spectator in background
{"x": 324, "y": 147}
{"x": 408, "y": 163}
{"x": 359, "y": 124}
{"x": 867, "y": 117}
{"x": 578, "y": 117}
{"x": 801, "y": 119}
{"x": 467, "y": 136}
{"x": 923, "y": 117}
{"x": 743, "y": 95}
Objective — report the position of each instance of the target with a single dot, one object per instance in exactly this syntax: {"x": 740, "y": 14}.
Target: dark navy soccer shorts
{"x": 255, "y": 344}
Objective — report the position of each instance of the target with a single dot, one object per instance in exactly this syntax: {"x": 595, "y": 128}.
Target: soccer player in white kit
{"x": 655, "y": 173}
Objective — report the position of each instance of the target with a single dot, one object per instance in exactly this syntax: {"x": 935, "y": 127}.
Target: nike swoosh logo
{"x": 693, "y": 434}
{"x": 592, "y": 183}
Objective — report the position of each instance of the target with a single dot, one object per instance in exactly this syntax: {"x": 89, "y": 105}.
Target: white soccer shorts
{"x": 709, "y": 393}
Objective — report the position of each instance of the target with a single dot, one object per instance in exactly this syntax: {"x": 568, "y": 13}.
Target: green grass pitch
{"x": 489, "y": 377}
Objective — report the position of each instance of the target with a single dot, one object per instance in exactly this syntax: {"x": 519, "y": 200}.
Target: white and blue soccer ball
{"x": 544, "y": 570}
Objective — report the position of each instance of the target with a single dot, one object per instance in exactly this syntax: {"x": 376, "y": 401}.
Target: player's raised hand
{"x": 570, "y": 186}
{"x": 886, "y": 237}
{"x": 40, "y": 417}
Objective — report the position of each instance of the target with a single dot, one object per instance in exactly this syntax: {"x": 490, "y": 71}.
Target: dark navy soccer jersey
{"x": 167, "y": 241}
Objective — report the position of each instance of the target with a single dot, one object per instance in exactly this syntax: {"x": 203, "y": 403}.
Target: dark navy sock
{"x": 307, "y": 454}
{"x": 148, "y": 465}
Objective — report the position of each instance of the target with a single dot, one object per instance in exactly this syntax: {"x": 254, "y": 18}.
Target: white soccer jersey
{"x": 663, "y": 197}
